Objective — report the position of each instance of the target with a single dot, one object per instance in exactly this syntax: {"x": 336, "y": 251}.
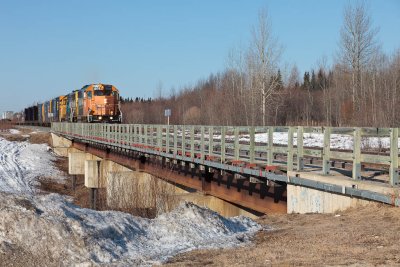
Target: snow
{"x": 14, "y": 131}
{"x": 76, "y": 235}
{"x": 337, "y": 141}
{"x": 21, "y": 163}
{"x": 49, "y": 225}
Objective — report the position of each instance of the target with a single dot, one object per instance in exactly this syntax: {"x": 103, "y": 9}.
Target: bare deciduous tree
{"x": 265, "y": 53}
{"x": 358, "y": 43}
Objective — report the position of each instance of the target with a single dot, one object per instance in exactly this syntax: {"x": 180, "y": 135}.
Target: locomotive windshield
{"x": 103, "y": 92}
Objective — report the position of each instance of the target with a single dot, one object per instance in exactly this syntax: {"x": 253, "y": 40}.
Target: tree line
{"x": 360, "y": 88}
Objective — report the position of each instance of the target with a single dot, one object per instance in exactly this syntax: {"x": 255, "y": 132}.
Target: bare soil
{"x": 366, "y": 236}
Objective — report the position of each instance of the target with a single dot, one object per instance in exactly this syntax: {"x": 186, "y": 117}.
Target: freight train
{"x": 91, "y": 103}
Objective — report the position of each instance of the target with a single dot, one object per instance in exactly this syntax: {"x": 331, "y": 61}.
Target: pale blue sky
{"x": 48, "y": 48}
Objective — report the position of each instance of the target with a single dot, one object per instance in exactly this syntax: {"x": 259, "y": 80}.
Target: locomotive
{"x": 91, "y": 103}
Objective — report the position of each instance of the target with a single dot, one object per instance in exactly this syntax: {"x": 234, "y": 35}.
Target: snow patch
{"x": 51, "y": 227}
{"x": 14, "y": 131}
{"x": 78, "y": 235}
{"x": 22, "y": 163}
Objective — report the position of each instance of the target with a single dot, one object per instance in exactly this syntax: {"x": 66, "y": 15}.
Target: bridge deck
{"x": 265, "y": 153}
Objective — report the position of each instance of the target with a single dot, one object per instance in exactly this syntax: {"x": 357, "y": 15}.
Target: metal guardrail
{"x": 250, "y": 146}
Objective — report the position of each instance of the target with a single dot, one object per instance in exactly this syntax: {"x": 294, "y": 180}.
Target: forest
{"x": 359, "y": 88}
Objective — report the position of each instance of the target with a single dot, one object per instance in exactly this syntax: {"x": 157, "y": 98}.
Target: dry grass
{"x": 365, "y": 237}
{"x": 25, "y": 134}
{"x": 139, "y": 194}
{"x": 40, "y": 138}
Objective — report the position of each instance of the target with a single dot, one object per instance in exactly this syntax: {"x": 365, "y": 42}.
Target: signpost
{"x": 167, "y": 113}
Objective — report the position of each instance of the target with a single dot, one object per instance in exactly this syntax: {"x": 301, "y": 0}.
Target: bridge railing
{"x": 255, "y": 147}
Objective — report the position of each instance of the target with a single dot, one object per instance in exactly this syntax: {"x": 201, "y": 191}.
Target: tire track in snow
{"x": 11, "y": 173}
{"x": 21, "y": 163}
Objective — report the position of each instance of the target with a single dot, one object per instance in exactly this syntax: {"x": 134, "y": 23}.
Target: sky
{"x": 49, "y": 48}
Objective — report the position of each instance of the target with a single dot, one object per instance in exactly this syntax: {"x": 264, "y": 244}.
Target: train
{"x": 93, "y": 103}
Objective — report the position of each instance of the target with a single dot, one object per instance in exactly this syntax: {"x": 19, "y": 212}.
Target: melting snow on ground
{"x": 73, "y": 235}
{"x": 50, "y": 225}
{"x": 14, "y": 131}
{"x": 22, "y": 163}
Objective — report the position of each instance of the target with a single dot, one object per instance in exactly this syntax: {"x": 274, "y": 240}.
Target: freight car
{"x": 91, "y": 103}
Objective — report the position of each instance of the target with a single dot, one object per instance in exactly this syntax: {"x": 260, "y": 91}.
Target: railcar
{"x": 31, "y": 114}
{"x": 91, "y": 103}
{"x": 62, "y": 107}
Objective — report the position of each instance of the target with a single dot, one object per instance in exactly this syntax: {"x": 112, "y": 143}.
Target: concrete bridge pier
{"x": 60, "y": 145}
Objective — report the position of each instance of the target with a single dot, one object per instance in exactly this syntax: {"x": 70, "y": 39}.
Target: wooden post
{"x": 394, "y": 156}
{"x": 290, "y": 149}
{"x": 326, "y": 152}
{"x": 223, "y": 146}
{"x": 175, "y": 140}
{"x": 300, "y": 151}
{"x": 202, "y": 142}
{"x": 210, "y": 140}
{"x": 183, "y": 144}
{"x": 357, "y": 154}
{"x": 270, "y": 154}
{"x": 159, "y": 138}
{"x": 167, "y": 139}
{"x": 237, "y": 147}
{"x": 192, "y": 141}
{"x": 252, "y": 144}
{"x": 93, "y": 198}
{"x": 73, "y": 182}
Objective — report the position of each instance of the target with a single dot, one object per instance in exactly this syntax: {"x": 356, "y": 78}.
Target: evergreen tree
{"x": 306, "y": 81}
{"x": 313, "y": 83}
{"x": 321, "y": 79}
{"x": 279, "y": 80}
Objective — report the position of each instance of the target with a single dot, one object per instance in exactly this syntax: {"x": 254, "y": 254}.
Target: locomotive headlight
{"x": 100, "y": 117}
{"x": 111, "y": 118}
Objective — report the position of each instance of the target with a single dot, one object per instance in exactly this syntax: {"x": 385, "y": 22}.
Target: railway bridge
{"x": 262, "y": 169}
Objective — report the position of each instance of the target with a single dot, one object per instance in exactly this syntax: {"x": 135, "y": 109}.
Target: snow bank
{"x": 73, "y": 235}
{"x": 21, "y": 163}
{"x": 14, "y": 131}
{"x": 52, "y": 228}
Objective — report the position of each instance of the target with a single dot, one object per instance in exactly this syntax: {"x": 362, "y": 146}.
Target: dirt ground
{"x": 365, "y": 236}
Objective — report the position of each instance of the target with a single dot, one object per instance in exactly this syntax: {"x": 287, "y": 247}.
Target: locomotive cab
{"x": 102, "y": 103}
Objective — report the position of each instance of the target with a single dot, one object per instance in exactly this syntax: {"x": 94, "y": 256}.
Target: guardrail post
{"x": 159, "y": 137}
{"x": 120, "y": 127}
{"x": 326, "y": 152}
{"x": 300, "y": 150}
{"x": 237, "y": 148}
{"x": 175, "y": 140}
{"x": 290, "y": 149}
{"x": 167, "y": 139}
{"x": 394, "y": 156}
{"x": 145, "y": 134}
{"x": 357, "y": 154}
{"x": 223, "y": 146}
{"x": 210, "y": 140}
{"x": 202, "y": 142}
{"x": 192, "y": 141}
{"x": 183, "y": 144}
{"x": 270, "y": 154}
{"x": 252, "y": 144}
